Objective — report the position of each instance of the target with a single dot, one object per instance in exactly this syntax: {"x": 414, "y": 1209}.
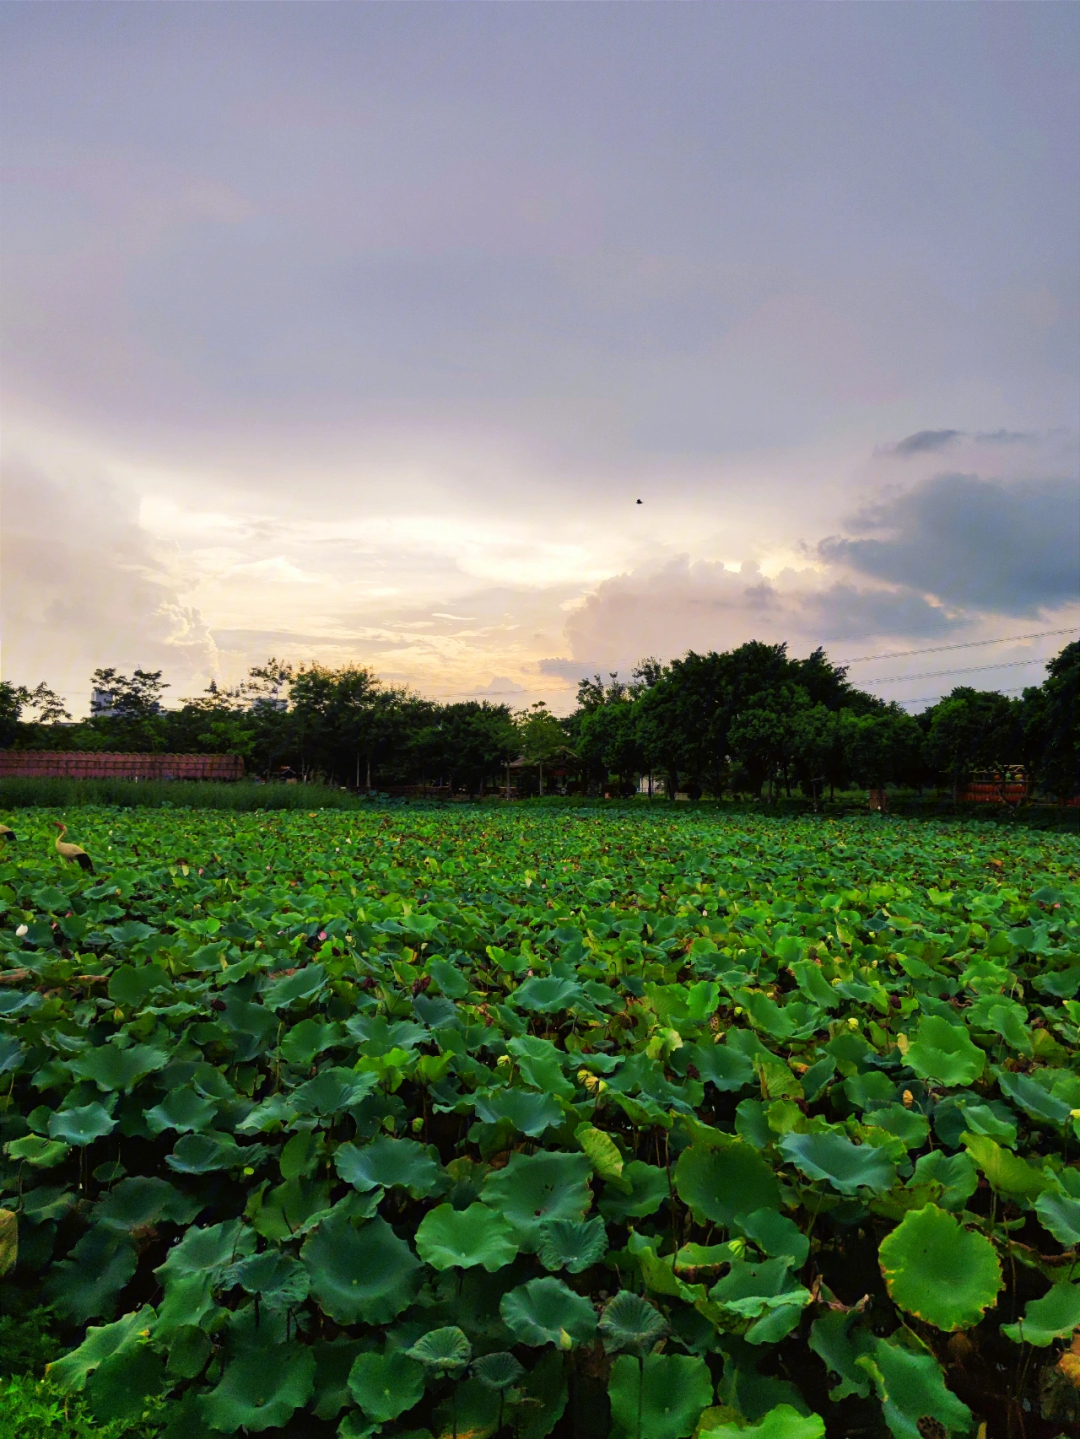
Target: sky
{"x": 355, "y": 333}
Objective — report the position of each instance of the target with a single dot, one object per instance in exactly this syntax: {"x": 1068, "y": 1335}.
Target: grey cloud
{"x": 844, "y": 612}
{"x": 1008, "y": 548}
{"x": 926, "y": 442}
{"x": 1008, "y": 437}
{"x": 83, "y": 588}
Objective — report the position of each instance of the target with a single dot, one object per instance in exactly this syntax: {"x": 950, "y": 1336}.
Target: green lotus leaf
{"x": 571, "y": 1244}
{"x": 255, "y": 1394}
{"x": 385, "y": 1385}
{"x": 309, "y": 1038}
{"x": 845, "y": 1166}
{"x": 631, "y": 1324}
{"x": 1033, "y": 1099}
{"x": 390, "y": 1163}
{"x": 304, "y": 985}
{"x": 81, "y": 1126}
{"x": 912, "y": 1390}
{"x": 604, "y": 1155}
{"x": 112, "y": 1068}
{"x": 939, "y": 1271}
{"x": 1005, "y": 1172}
{"x": 87, "y": 1284}
{"x": 548, "y": 995}
{"x": 782, "y": 1422}
{"x": 776, "y": 1234}
{"x": 11, "y": 1053}
{"x": 364, "y": 1275}
{"x": 271, "y": 1113}
{"x": 1060, "y": 1214}
{"x": 1055, "y": 1316}
{"x": 540, "y": 1065}
{"x": 185, "y": 1110}
{"x": 766, "y": 1295}
{"x": 204, "y": 1153}
{"x": 955, "y": 1175}
{"x": 533, "y": 1189}
{"x": 36, "y": 1150}
{"x": 140, "y": 1201}
{"x": 9, "y": 1241}
{"x": 944, "y": 1053}
{"x": 722, "y": 1179}
{"x": 661, "y": 1397}
{"x": 546, "y": 1311}
{"x": 443, "y": 1351}
{"x": 472, "y": 1410}
{"x": 292, "y": 1208}
{"x": 333, "y": 1364}
{"x": 332, "y": 1091}
{"x": 189, "y": 1350}
{"x": 131, "y": 984}
{"x": 870, "y": 1090}
{"x": 277, "y": 1277}
{"x": 909, "y": 1126}
{"x": 529, "y": 1112}
{"x": 122, "y": 1384}
{"x": 497, "y": 1371}
{"x": 101, "y": 1342}
{"x": 447, "y": 1237}
{"x": 207, "y": 1252}
{"x": 840, "y": 1338}
{"x": 723, "y": 1066}
{"x": 649, "y": 1188}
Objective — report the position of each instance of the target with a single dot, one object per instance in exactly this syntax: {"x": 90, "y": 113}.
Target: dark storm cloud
{"x": 1008, "y": 548}
{"x": 926, "y": 442}
{"x": 844, "y": 611}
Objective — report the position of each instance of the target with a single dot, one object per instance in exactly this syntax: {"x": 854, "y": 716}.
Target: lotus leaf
{"x": 1044, "y": 1108}
{"x": 333, "y": 1363}
{"x": 727, "y": 1177}
{"x": 545, "y": 1311}
{"x": 939, "y": 1271}
{"x": 294, "y": 988}
{"x": 81, "y": 1126}
{"x": 572, "y": 1245}
{"x": 87, "y": 1284}
{"x": 464, "y": 1238}
{"x": 631, "y": 1324}
{"x": 367, "y": 1275}
{"x": 783, "y": 1422}
{"x": 1060, "y": 1214}
{"x": 277, "y": 1277}
{"x": 388, "y": 1163}
{"x": 139, "y": 1201}
{"x": 101, "y": 1343}
{"x": 912, "y": 1390}
{"x": 112, "y": 1068}
{"x": 1055, "y": 1316}
{"x": 548, "y": 996}
{"x": 203, "y": 1153}
{"x": 443, "y": 1351}
{"x": 497, "y": 1371}
{"x": 533, "y": 1189}
{"x": 385, "y": 1385}
{"x": 257, "y": 1395}
{"x": 185, "y": 1110}
{"x": 1007, "y": 1173}
{"x": 41, "y": 1153}
{"x": 845, "y": 1166}
{"x": 529, "y": 1112}
{"x": 649, "y": 1188}
{"x": 332, "y": 1092}
{"x": 603, "y": 1153}
{"x": 660, "y": 1397}
{"x": 776, "y": 1234}
{"x": 955, "y": 1176}
{"x": 121, "y": 1385}
{"x": 944, "y": 1053}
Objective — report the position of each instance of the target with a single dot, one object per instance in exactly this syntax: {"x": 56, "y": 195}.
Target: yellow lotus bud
{"x": 908, "y": 1098}
{"x": 853, "y": 1023}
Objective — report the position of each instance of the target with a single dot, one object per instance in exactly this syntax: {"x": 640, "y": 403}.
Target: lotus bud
{"x": 1074, "y": 1113}
{"x": 565, "y": 1342}
{"x": 22, "y": 929}
{"x": 504, "y": 1062}
{"x": 853, "y": 1023}
{"x": 590, "y": 1081}
{"x": 118, "y": 1015}
{"x": 417, "y": 1124}
{"x": 908, "y": 1098}
{"x": 737, "y": 1246}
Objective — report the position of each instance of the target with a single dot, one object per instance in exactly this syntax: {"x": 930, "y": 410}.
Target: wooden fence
{"x": 102, "y": 764}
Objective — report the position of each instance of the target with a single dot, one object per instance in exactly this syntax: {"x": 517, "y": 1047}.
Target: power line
{"x": 935, "y": 674}
{"x": 931, "y": 699}
{"x": 968, "y": 644}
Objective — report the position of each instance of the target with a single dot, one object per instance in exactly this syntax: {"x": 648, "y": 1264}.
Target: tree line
{"x": 751, "y": 720}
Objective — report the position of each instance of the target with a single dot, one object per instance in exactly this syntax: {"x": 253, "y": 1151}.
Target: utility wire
{"x": 935, "y": 674}
{"x": 968, "y": 644}
{"x": 931, "y": 699}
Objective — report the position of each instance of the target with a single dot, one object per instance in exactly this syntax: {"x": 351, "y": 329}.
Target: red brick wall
{"x": 81, "y": 764}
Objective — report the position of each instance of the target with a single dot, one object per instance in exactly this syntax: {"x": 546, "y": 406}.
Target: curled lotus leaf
{"x": 944, "y": 1053}
{"x": 255, "y": 1395}
{"x": 386, "y": 1163}
{"x": 205, "y": 1153}
{"x": 497, "y": 1371}
{"x": 572, "y": 1244}
{"x": 546, "y": 1311}
{"x": 444, "y": 1351}
{"x": 1055, "y": 1316}
{"x": 185, "y": 1110}
{"x": 782, "y": 1422}
{"x": 1060, "y": 1214}
{"x": 527, "y": 1110}
{"x": 912, "y": 1391}
{"x": 386, "y": 1385}
{"x": 101, "y": 1343}
{"x": 632, "y": 1325}
{"x": 845, "y": 1166}
{"x": 464, "y": 1238}
{"x": 939, "y": 1271}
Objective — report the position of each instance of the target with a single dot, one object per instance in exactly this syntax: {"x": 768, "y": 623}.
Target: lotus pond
{"x": 512, "y": 1122}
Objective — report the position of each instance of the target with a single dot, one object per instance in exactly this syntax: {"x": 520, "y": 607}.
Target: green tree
{"x": 1051, "y": 722}
{"x": 541, "y": 736}
{"x": 973, "y": 730}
